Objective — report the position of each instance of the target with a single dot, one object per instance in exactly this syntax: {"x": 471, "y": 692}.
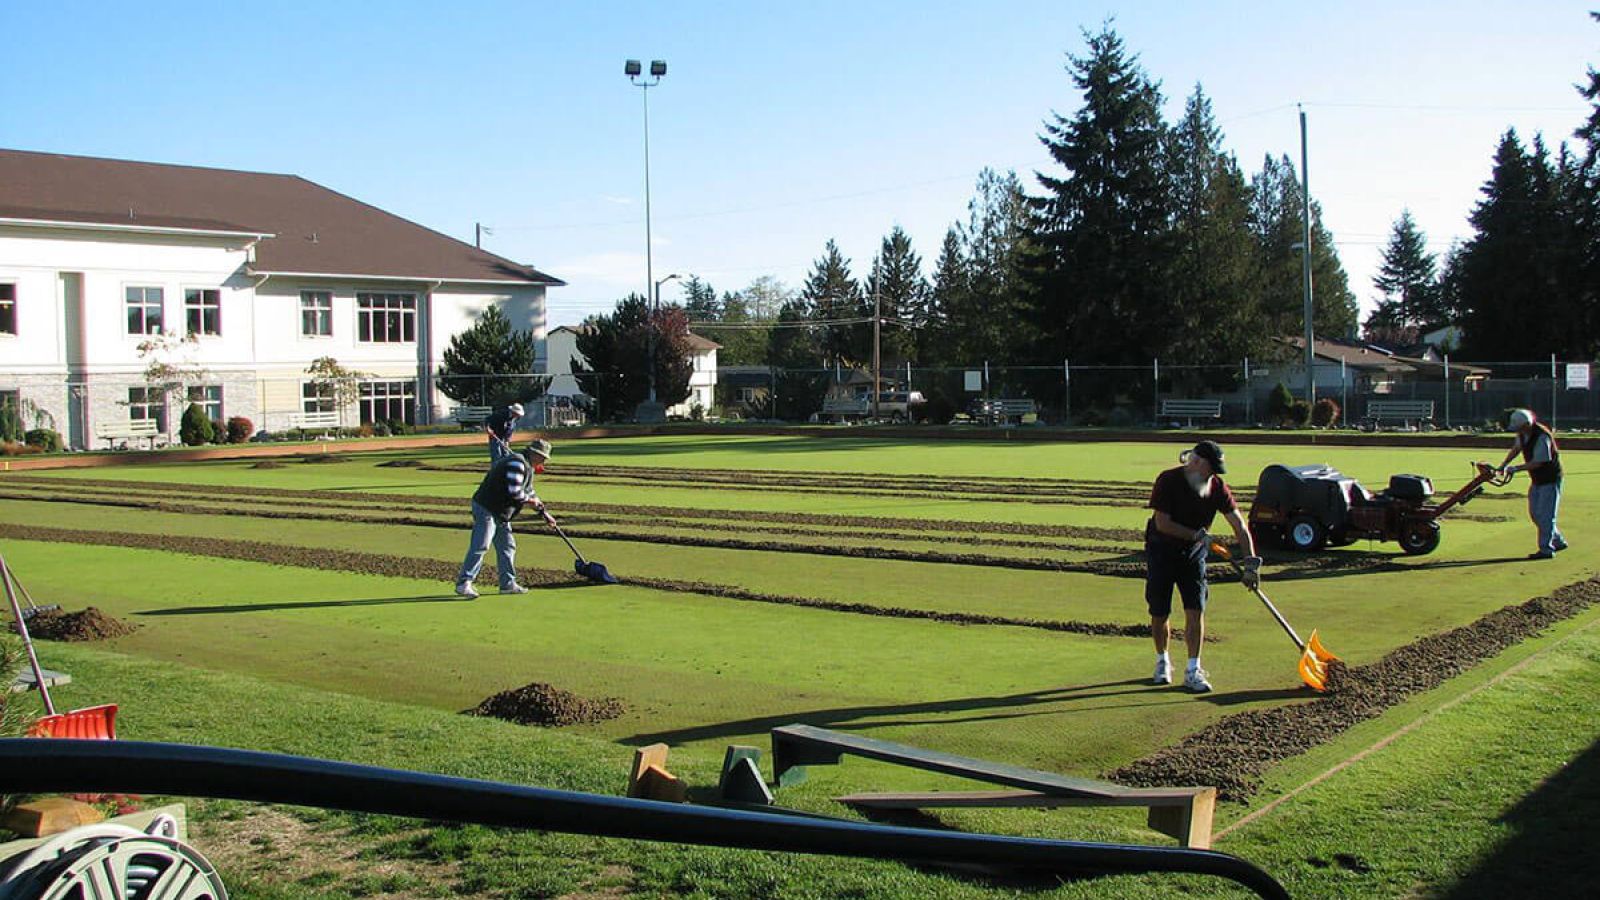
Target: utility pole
{"x": 477, "y": 237}
{"x": 877, "y": 340}
{"x": 1305, "y": 260}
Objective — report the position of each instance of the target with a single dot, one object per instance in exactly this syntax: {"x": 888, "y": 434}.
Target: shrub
{"x": 1326, "y": 413}
{"x": 1299, "y": 413}
{"x": 11, "y": 423}
{"x": 397, "y": 426}
{"x": 12, "y": 448}
{"x": 46, "y": 440}
{"x": 195, "y": 428}
{"x": 219, "y": 432}
{"x": 1120, "y": 417}
{"x": 1279, "y": 404}
{"x": 240, "y": 429}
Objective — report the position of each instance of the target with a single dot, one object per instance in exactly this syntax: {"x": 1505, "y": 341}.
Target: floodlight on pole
{"x": 634, "y": 70}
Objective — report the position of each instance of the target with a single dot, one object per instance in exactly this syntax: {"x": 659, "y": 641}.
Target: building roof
{"x": 1354, "y": 355}
{"x": 696, "y": 343}
{"x": 304, "y": 228}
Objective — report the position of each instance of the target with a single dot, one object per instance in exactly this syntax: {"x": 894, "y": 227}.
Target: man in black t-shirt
{"x": 1185, "y": 500}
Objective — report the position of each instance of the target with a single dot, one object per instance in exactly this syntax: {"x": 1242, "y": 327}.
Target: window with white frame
{"x": 386, "y": 318}
{"x": 143, "y": 305}
{"x": 316, "y": 313}
{"x": 316, "y": 397}
{"x": 209, "y": 398}
{"x": 8, "y": 308}
{"x": 202, "y": 310}
{"x": 388, "y": 401}
{"x": 746, "y": 395}
{"x": 146, "y": 403}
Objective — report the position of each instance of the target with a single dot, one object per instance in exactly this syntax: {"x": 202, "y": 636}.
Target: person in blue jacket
{"x": 500, "y": 426}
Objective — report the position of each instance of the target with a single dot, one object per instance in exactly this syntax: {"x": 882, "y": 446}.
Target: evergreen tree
{"x": 1215, "y": 275}
{"x": 898, "y": 292}
{"x": 999, "y": 254}
{"x": 700, "y": 300}
{"x": 489, "y": 363}
{"x": 795, "y": 349}
{"x": 938, "y": 338}
{"x": 1105, "y": 224}
{"x": 1408, "y": 280}
{"x": 832, "y": 295}
{"x": 1277, "y": 220}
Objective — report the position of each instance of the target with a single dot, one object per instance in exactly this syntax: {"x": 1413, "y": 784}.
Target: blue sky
{"x": 778, "y": 126}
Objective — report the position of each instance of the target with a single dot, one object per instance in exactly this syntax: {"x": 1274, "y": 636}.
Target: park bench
{"x": 846, "y": 407}
{"x": 1180, "y": 812}
{"x": 1004, "y": 412}
{"x": 471, "y": 416}
{"x": 1407, "y": 411}
{"x": 1177, "y": 408}
{"x": 131, "y": 430}
{"x": 325, "y": 420}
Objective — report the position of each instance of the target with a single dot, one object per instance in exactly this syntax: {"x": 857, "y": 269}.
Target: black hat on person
{"x": 1211, "y": 452}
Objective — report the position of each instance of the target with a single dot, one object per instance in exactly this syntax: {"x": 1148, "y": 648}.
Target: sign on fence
{"x": 973, "y": 380}
{"x": 1577, "y": 376}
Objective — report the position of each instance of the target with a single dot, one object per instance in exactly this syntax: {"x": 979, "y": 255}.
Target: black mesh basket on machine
{"x": 1307, "y": 508}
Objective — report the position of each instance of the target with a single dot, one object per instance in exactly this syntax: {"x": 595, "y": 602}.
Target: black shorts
{"x": 1170, "y": 564}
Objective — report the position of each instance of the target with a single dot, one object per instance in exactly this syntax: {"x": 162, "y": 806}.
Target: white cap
{"x": 1521, "y": 418}
{"x": 517, "y": 409}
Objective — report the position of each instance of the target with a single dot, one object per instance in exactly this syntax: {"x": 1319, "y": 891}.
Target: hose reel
{"x": 112, "y": 862}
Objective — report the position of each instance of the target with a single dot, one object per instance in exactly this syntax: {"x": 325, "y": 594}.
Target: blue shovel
{"x": 593, "y": 571}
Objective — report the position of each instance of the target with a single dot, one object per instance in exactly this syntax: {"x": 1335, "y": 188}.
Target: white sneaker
{"x": 1163, "y": 673}
{"x": 465, "y": 589}
{"x": 514, "y": 589}
{"x": 1196, "y": 682}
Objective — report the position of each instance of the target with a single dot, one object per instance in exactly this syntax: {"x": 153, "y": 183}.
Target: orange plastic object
{"x": 93, "y": 723}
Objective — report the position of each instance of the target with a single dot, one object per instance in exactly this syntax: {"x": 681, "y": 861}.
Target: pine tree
{"x": 700, "y": 300}
{"x": 1504, "y": 286}
{"x": 938, "y": 337}
{"x": 1408, "y": 280}
{"x": 1277, "y": 220}
{"x": 1105, "y": 223}
{"x": 1215, "y": 275}
{"x": 898, "y": 292}
{"x": 490, "y": 362}
{"x": 832, "y": 295}
{"x": 615, "y": 350}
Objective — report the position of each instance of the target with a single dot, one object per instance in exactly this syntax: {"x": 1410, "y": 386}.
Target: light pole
{"x": 635, "y": 73}
{"x": 650, "y": 333}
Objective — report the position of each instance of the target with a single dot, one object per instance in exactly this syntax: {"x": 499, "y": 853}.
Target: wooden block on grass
{"x": 52, "y": 815}
{"x": 741, "y": 777}
{"x": 1190, "y": 823}
{"x": 658, "y": 784}
{"x": 644, "y": 758}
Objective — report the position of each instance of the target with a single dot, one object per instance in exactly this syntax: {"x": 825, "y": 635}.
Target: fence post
{"x": 1066, "y": 380}
{"x": 1552, "y": 391}
{"x": 1447, "y": 392}
{"x": 1249, "y": 395}
{"x": 1155, "y": 390}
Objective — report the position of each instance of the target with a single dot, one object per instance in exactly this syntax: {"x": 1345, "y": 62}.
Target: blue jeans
{"x": 1544, "y": 503}
{"x": 497, "y": 449}
{"x": 486, "y": 528}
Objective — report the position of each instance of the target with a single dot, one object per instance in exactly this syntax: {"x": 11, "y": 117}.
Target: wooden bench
{"x": 846, "y": 407}
{"x": 324, "y": 420}
{"x": 1407, "y": 411}
{"x": 470, "y": 416}
{"x": 1003, "y": 412}
{"x": 1191, "y": 409}
{"x": 131, "y": 430}
{"x": 1181, "y": 812}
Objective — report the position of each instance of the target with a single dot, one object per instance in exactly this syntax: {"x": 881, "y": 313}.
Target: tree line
{"x": 1145, "y": 239}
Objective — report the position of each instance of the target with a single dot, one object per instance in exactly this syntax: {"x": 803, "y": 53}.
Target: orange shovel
{"x": 1314, "y": 658}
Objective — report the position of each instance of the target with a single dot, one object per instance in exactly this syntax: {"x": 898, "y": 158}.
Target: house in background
{"x": 562, "y": 349}
{"x": 267, "y": 272}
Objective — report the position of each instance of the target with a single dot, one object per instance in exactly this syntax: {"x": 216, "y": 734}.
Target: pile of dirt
{"x": 1232, "y": 753}
{"x": 269, "y": 464}
{"x": 88, "y": 624}
{"x": 401, "y": 464}
{"x": 322, "y": 458}
{"x": 544, "y": 705}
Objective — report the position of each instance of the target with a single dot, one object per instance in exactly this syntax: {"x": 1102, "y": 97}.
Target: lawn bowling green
{"x": 982, "y": 599}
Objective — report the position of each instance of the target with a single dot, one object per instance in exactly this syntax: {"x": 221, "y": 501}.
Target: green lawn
{"x": 700, "y": 672}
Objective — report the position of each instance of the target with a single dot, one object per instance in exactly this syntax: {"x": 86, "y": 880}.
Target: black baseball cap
{"x": 1211, "y": 452}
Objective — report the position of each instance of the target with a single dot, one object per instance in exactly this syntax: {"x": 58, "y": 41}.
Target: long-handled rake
{"x": 1314, "y": 658}
{"x": 593, "y": 571}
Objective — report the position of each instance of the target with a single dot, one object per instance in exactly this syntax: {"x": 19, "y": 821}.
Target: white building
{"x": 563, "y": 349}
{"x": 266, "y": 272}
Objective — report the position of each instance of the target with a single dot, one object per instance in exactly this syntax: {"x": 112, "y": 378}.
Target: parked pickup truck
{"x": 896, "y": 406}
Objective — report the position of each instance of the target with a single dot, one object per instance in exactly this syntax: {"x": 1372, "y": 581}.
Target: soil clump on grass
{"x": 269, "y": 464}
{"x": 323, "y": 458}
{"x": 1232, "y": 753}
{"x": 548, "y": 706}
{"x": 401, "y": 464}
{"x": 88, "y": 624}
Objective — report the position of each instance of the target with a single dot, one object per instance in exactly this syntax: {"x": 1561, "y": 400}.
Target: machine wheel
{"x": 1419, "y": 537}
{"x": 1305, "y": 534}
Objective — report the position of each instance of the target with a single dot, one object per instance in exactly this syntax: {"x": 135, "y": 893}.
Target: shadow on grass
{"x": 853, "y": 718}
{"x": 1555, "y": 833}
{"x": 443, "y": 597}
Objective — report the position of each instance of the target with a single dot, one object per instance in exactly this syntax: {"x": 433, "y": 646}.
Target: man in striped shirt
{"x": 501, "y": 495}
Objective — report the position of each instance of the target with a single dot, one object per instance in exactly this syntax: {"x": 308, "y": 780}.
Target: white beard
{"x": 1200, "y": 483}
